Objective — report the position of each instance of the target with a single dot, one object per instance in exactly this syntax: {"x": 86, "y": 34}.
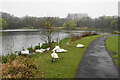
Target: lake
{"x": 14, "y": 40}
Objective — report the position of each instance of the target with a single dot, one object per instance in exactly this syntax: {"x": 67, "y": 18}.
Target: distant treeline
{"x": 101, "y": 23}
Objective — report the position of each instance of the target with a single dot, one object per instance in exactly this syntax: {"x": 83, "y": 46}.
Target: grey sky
{"x": 59, "y": 8}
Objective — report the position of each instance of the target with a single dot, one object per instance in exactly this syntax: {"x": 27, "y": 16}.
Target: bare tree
{"x": 49, "y": 31}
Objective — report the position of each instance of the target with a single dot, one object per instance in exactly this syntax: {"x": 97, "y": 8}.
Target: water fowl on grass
{"x": 54, "y": 55}
{"x": 57, "y": 48}
{"x": 80, "y": 45}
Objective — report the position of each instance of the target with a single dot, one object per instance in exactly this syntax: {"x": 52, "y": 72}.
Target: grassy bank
{"x": 67, "y": 64}
{"x": 112, "y": 46}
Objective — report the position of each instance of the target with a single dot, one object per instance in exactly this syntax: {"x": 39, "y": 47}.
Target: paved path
{"x": 96, "y": 62}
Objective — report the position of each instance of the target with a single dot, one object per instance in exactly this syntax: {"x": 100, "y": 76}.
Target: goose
{"x": 25, "y": 52}
{"x": 80, "y": 45}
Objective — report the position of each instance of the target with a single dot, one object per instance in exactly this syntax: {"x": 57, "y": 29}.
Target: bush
{"x": 10, "y": 58}
{"x": 86, "y": 34}
{"x": 37, "y": 47}
{"x": 19, "y": 68}
{"x": 76, "y": 37}
{"x": 31, "y": 49}
{"x": 45, "y": 45}
{"x": 4, "y": 59}
{"x": 115, "y": 32}
{"x": 19, "y": 53}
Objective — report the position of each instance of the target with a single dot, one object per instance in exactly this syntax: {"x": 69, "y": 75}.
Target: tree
{"x": 3, "y": 23}
{"x": 49, "y": 31}
{"x": 113, "y": 24}
{"x": 69, "y": 24}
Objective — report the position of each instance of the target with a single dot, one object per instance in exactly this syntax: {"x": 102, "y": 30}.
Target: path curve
{"x": 96, "y": 62}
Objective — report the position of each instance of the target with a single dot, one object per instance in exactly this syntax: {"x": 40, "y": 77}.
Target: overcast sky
{"x": 59, "y": 8}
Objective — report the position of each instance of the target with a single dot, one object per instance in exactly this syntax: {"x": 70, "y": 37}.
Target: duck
{"x": 80, "y": 45}
{"x": 25, "y": 52}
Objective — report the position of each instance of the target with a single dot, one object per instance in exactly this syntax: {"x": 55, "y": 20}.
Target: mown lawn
{"x": 67, "y": 64}
{"x": 112, "y": 46}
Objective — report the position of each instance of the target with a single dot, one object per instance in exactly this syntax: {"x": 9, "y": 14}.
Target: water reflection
{"x": 14, "y": 41}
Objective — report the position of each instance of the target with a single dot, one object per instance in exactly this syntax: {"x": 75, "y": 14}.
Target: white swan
{"x": 54, "y": 55}
{"x": 39, "y": 50}
{"x": 80, "y": 45}
{"x": 57, "y": 48}
{"x": 25, "y": 52}
{"x": 61, "y": 50}
{"x": 43, "y": 50}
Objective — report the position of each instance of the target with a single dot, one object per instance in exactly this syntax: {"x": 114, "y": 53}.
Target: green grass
{"x": 112, "y": 46}
{"x": 67, "y": 64}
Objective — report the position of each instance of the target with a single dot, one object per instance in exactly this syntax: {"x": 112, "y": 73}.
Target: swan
{"x": 37, "y": 50}
{"x": 80, "y": 45}
{"x": 54, "y": 55}
{"x": 43, "y": 50}
{"x": 48, "y": 49}
{"x": 57, "y": 48}
{"x": 61, "y": 50}
{"x": 25, "y": 52}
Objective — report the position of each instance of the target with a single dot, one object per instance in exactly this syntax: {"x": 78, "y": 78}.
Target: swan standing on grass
{"x": 54, "y": 56}
{"x": 57, "y": 48}
{"x": 25, "y": 52}
{"x": 80, "y": 45}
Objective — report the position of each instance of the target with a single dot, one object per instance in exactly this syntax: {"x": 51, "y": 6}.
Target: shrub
{"x": 19, "y": 53}
{"x": 9, "y": 57}
{"x": 31, "y": 49}
{"x": 19, "y": 68}
{"x": 75, "y": 37}
{"x": 37, "y": 47}
{"x": 115, "y": 32}
{"x": 86, "y": 34}
{"x": 94, "y": 33}
{"x": 12, "y": 56}
{"x": 45, "y": 45}
{"x": 4, "y": 59}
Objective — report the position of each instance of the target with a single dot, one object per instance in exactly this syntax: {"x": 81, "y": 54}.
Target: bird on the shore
{"x": 25, "y": 52}
{"x": 40, "y": 50}
{"x": 54, "y": 56}
{"x": 57, "y": 48}
{"x": 80, "y": 45}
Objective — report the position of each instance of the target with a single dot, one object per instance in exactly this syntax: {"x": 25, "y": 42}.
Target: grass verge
{"x": 112, "y": 46}
{"x": 66, "y": 65}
